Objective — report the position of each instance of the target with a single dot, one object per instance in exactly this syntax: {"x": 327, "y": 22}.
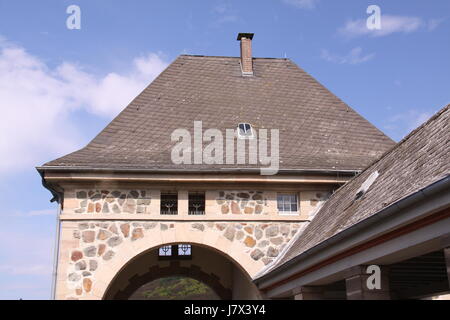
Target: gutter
{"x": 58, "y": 197}
{"x": 187, "y": 170}
{"x": 385, "y": 213}
{"x": 56, "y": 252}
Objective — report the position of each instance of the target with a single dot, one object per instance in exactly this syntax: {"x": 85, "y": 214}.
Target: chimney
{"x": 246, "y": 53}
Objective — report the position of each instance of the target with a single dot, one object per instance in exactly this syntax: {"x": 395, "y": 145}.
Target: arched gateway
{"x": 205, "y": 264}
{"x": 214, "y": 259}
{"x": 143, "y": 183}
{"x": 108, "y": 256}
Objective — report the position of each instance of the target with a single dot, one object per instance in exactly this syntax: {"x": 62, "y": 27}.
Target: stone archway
{"x": 174, "y": 269}
{"x": 208, "y": 265}
{"x": 132, "y": 239}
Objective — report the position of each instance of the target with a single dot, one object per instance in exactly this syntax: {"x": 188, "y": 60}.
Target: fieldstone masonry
{"x": 250, "y": 225}
{"x": 99, "y": 242}
{"x": 113, "y": 201}
{"x": 242, "y": 202}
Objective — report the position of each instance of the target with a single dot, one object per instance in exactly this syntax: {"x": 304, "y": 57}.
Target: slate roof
{"x": 317, "y": 130}
{"x": 419, "y": 160}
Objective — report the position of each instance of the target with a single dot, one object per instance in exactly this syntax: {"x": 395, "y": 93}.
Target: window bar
{"x": 196, "y": 204}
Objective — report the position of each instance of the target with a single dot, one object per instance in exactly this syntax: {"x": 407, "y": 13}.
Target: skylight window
{"x": 245, "y": 131}
{"x": 366, "y": 185}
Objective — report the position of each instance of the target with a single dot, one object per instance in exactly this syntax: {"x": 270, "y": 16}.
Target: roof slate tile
{"x": 317, "y": 130}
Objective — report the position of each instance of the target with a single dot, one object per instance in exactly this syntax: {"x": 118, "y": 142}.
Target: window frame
{"x": 165, "y": 255}
{"x": 193, "y": 194}
{"x": 175, "y": 253}
{"x": 245, "y": 136}
{"x": 169, "y": 193}
{"x": 289, "y": 213}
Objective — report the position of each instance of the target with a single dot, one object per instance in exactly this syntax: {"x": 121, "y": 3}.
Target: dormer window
{"x": 245, "y": 131}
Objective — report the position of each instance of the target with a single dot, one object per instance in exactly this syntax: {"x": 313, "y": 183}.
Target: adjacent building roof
{"x": 419, "y": 160}
{"x": 317, "y": 130}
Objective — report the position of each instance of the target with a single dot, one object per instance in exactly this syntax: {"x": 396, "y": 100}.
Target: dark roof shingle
{"x": 419, "y": 160}
{"x": 317, "y": 130}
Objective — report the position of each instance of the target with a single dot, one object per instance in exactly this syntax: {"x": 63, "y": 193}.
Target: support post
{"x": 447, "y": 262}
{"x": 310, "y": 293}
{"x": 357, "y": 284}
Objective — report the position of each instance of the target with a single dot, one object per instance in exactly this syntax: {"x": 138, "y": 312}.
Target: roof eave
{"x": 185, "y": 170}
{"x": 264, "y": 282}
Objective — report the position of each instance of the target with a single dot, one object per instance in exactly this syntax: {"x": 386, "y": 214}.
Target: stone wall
{"x": 92, "y": 201}
{"x": 242, "y": 202}
{"x": 98, "y": 243}
{"x": 242, "y": 224}
{"x": 219, "y": 204}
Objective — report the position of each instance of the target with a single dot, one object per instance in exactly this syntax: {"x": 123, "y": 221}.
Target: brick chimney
{"x": 246, "y": 53}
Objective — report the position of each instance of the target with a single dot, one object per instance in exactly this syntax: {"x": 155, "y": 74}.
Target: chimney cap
{"x": 245, "y": 35}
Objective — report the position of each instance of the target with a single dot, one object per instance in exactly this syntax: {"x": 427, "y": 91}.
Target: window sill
{"x": 281, "y": 213}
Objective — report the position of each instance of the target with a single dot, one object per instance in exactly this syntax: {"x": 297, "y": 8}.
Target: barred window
{"x": 165, "y": 251}
{"x": 287, "y": 203}
{"x": 184, "y": 249}
{"x": 176, "y": 251}
{"x": 196, "y": 203}
{"x": 169, "y": 203}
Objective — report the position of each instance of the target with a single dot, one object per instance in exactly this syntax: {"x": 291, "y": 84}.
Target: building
{"x": 182, "y": 181}
{"x": 394, "y": 215}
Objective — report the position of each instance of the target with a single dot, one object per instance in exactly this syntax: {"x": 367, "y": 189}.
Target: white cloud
{"x": 389, "y": 24}
{"x": 25, "y": 252}
{"x": 32, "y": 213}
{"x": 37, "y": 103}
{"x": 227, "y": 18}
{"x": 401, "y": 124}
{"x": 355, "y": 56}
{"x": 221, "y": 8}
{"x": 35, "y": 269}
{"x": 26, "y": 258}
{"x": 434, "y": 23}
{"x": 302, "y": 4}
{"x": 224, "y": 14}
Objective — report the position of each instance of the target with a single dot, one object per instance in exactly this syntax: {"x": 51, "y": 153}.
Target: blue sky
{"x": 60, "y": 87}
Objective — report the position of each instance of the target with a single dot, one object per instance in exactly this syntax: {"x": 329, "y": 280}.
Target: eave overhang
{"x": 422, "y": 208}
{"x": 223, "y": 175}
